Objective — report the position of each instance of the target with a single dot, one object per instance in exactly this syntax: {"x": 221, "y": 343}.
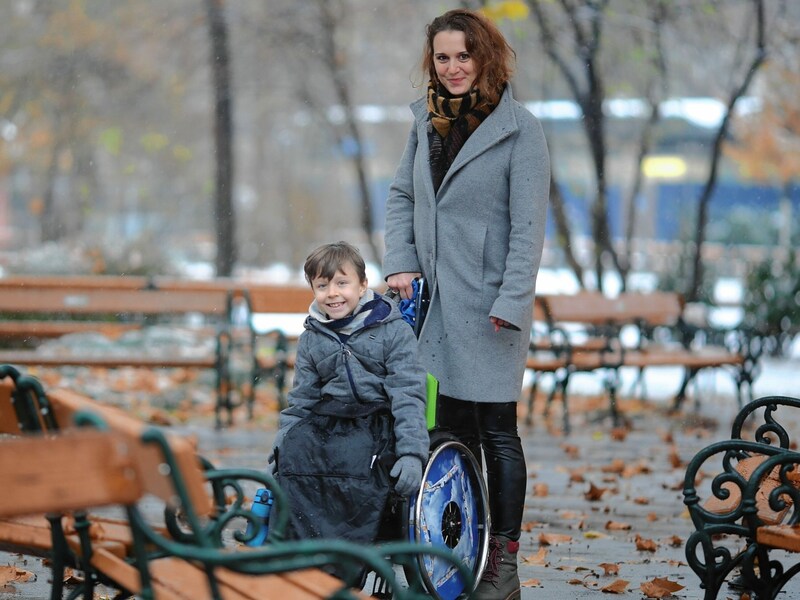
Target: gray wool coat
{"x": 478, "y": 242}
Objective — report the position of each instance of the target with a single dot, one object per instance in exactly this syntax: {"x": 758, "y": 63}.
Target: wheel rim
{"x": 451, "y": 510}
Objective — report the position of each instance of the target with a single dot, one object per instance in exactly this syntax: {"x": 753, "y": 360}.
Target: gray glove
{"x": 408, "y": 471}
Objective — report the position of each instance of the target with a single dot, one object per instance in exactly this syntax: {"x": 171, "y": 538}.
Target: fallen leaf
{"x": 531, "y": 583}
{"x": 641, "y": 500}
{"x": 541, "y": 490}
{"x": 609, "y": 568}
{"x": 645, "y": 545}
{"x": 529, "y": 526}
{"x": 615, "y": 587}
{"x": 594, "y": 535}
{"x": 594, "y": 493}
{"x": 536, "y": 559}
{"x": 652, "y": 517}
{"x": 576, "y": 476}
{"x": 10, "y": 573}
{"x": 659, "y": 588}
{"x": 617, "y": 466}
{"x": 617, "y": 526}
{"x": 618, "y": 434}
{"x": 675, "y": 458}
{"x": 549, "y": 539}
{"x": 571, "y": 450}
{"x": 675, "y": 541}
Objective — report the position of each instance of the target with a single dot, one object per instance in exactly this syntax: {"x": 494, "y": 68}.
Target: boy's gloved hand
{"x": 408, "y": 471}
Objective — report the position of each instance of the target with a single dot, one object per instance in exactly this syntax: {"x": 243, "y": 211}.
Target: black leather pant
{"x": 492, "y": 427}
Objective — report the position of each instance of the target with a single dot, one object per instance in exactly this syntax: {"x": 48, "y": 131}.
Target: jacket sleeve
{"x": 305, "y": 392}
{"x": 405, "y": 384}
{"x": 401, "y": 252}
{"x": 529, "y": 189}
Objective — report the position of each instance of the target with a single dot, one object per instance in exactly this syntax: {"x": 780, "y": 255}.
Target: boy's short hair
{"x": 328, "y": 259}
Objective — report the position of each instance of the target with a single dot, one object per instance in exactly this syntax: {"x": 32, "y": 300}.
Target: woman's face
{"x": 454, "y": 66}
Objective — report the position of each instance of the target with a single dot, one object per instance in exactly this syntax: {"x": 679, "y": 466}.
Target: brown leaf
{"x": 618, "y": 434}
{"x": 595, "y": 493}
{"x": 675, "y": 458}
{"x": 609, "y": 568}
{"x": 11, "y": 574}
{"x": 641, "y": 500}
{"x": 576, "y": 476}
{"x": 529, "y": 526}
{"x": 615, "y": 587}
{"x": 571, "y": 450}
{"x": 652, "y": 517}
{"x": 617, "y": 466}
{"x": 531, "y": 583}
{"x": 675, "y": 541}
{"x": 536, "y": 559}
{"x": 549, "y": 539}
{"x": 541, "y": 490}
{"x": 659, "y": 588}
{"x": 617, "y": 526}
{"x": 645, "y": 545}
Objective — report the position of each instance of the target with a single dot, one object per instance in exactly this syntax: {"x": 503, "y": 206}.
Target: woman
{"x": 467, "y": 211}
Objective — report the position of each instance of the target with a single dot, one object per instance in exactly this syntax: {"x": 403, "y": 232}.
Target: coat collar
{"x": 499, "y": 125}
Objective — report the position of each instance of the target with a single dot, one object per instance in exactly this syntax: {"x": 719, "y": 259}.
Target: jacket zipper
{"x": 346, "y": 356}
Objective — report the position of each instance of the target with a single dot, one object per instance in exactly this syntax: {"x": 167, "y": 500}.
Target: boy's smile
{"x": 339, "y": 296}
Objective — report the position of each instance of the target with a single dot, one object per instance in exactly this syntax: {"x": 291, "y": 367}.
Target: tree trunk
{"x": 224, "y": 214}
{"x": 336, "y": 65}
{"x": 562, "y": 228}
{"x": 694, "y": 292}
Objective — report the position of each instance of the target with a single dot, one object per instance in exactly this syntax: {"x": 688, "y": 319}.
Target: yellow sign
{"x": 664, "y": 167}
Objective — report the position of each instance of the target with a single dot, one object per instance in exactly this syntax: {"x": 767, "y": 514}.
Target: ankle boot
{"x": 500, "y": 580}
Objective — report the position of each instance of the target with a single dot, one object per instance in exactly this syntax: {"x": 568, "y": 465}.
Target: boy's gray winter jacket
{"x": 377, "y": 364}
{"x": 357, "y": 403}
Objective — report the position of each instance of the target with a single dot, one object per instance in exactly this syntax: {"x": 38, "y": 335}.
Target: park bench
{"x": 585, "y": 332}
{"x": 197, "y": 552}
{"x": 743, "y": 496}
{"x": 41, "y": 308}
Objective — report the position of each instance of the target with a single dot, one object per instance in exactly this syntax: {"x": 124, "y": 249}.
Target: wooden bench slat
{"x": 66, "y": 472}
{"x": 113, "y": 301}
{"x": 54, "y": 329}
{"x": 66, "y": 403}
{"x": 126, "y": 575}
{"x": 27, "y": 536}
{"x": 37, "y": 358}
{"x": 8, "y": 418}
{"x": 785, "y": 537}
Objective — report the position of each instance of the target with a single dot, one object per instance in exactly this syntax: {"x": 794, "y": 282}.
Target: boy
{"x": 357, "y": 404}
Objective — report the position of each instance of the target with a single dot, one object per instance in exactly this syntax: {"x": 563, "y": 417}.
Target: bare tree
{"x": 655, "y": 92}
{"x": 587, "y": 87}
{"x": 757, "y": 60}
{"x": 224, "y": 215}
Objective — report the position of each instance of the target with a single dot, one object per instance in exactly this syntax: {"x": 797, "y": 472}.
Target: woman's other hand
{"x": 499, "y": 323}
{"x": 401, "y": 283}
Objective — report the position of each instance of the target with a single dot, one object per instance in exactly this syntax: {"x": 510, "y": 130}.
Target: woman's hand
{"x": 401, "y": 283}
{"x": 499, "y": 323}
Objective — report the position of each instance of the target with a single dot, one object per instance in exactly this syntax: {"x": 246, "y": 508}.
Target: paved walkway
{"x": 636, "y": 475}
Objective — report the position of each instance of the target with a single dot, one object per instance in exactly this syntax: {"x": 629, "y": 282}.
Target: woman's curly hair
{"x": 494, "y": 58}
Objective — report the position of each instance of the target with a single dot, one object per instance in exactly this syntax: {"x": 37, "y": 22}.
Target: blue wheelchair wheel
{"x": 451, "y": 510}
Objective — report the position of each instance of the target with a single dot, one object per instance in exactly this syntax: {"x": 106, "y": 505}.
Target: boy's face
{"x": 339, "y": 296}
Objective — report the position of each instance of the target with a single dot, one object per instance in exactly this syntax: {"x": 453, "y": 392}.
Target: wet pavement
{"x": 604, "y": 506}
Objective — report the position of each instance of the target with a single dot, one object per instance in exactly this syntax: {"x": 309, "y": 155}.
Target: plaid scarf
{"x": 452, "y": 121}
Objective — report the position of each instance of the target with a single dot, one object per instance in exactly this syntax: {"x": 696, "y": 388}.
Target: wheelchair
{"x": 450, "y": 510}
